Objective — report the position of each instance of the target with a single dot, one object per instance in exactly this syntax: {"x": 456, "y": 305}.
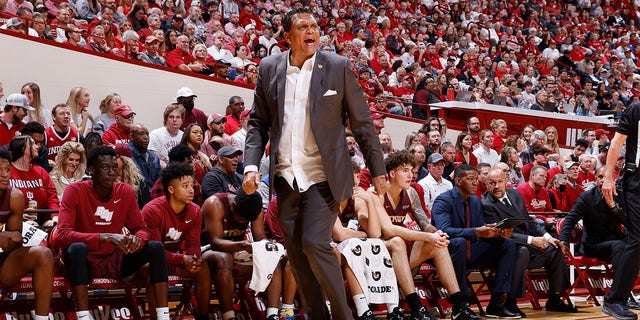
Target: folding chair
{"x": 432, "y": 290}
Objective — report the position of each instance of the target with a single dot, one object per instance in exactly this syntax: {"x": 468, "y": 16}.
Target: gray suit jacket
{"x": 495, "y": 210}
{"x": 328, "y": 114}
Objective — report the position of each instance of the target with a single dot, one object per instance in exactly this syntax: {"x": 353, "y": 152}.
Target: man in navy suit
{"x": 458, "y": 213}
{"x": 302, "y": 102}
{"x": 500, "y": 203}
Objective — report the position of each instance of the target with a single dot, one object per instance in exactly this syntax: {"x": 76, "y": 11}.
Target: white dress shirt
{"x": 298, "y": 154}
{"x": 433, "y": 188}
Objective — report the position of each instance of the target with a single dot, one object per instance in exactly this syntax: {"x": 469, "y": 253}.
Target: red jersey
{"x": 535, "y": 201}
{"x": 8, "y": 132}
{"x": 115, "y": 135}
{"x": 84, "y": 216}
{"x": 585, "y": 178}
{"x": 177, "y": 231}
{"x": 35, "y": 184}
{"x": 400, "y": 211}
{"x": 53, "y": 140}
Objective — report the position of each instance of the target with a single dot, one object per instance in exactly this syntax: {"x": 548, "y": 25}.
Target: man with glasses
{"x": 223, "y": 177}
{"x": 120, "y": 132}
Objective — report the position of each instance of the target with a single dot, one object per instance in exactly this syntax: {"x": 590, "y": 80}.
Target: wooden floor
{"x": 585, "y": 311}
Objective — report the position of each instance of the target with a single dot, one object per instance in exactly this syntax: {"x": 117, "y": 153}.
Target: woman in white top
{"x": 40, "y": 114}
{"x": 78, "y": 103}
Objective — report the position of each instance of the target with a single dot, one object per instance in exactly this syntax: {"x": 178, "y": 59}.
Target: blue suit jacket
{"x": 448, "y": 214}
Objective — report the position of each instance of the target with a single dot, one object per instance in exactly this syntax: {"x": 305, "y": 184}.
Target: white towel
{"x": 371, "y": 263}
{"x": 266, "y": 256}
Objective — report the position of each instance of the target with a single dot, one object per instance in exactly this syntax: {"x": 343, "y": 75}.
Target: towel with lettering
{"x": 266, "y": 256}
{"x": 371, "y": 263}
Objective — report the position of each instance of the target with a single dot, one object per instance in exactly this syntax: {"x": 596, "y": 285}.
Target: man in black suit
{"x": 535, "y": 247}
{"x": 302, "y": 102}
{"x": 601, "y": 238}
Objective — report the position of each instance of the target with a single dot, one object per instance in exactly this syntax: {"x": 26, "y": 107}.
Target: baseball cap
{"x": 150, "y": 39}
{"x": 216, "y": 118}
{"x": 123, "y": 150}
{"x": 19, "y": 100}
{"x": 185, "y": 92}
{"x": 377, "y": 115}
{"x": 435, "y": 157}
{"x": 40, "y": 7}
{"x": 249, "y": 27}
{"x": 223, "y": 62}
{"x": 600, "y": 132}
{"x": 13, "y": 22}
{"x": 382, "y": 73}
{"x": 569, "y": 164}
{"x": 227, "y": 151}
{"x": 124, "y": 110}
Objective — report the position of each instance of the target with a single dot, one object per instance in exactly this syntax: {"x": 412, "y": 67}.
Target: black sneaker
{"x": 618, "y": 311}
{"x": 514, "y": 309}
{"x": 559, "y": 306}
{"x": 465, "y": 313}
{"x": 367, "y": 316}
{"x": 396, "y": 314}
{"x": 422, "y": 314}
{"x": 273, "y": 317}
{"x": 499, "y": 311}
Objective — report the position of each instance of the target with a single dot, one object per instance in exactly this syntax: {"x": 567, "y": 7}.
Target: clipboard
{"x": 510, "y": 222}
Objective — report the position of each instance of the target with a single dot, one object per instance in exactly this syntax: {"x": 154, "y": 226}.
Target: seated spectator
{"x": 61, "y": 131}
{"x": 138, "y": 17}
{"x": 161, "y": 140}
{"x": 87, "y": 9}
{"x": 97, "y": 41}
{"x": 130, "y": 46}
{"x": 69, "y": 166}
{"x": 11, "y": 119}
{"x": 250, "y": 76}
{"x": 90, "y": 235}
{"x": 227, "y": 217}
{"x": 201, "y": 57}
{"x": 120, "y": 131}
{"x": 509, "y": 156}
{"x": 153, "y": 54}
{"x": 176, "y": 221}
{"x": 147, "y": 162}
{"x": 41, "y": 114}
{"x": 78, "y": 102}
{"x": 434, "y": 183}
{"x": 223, "y": 70}
{"x": 18, "y": 260}
{"x": 223, "y": 177}
{"x": 485, "y": 154}
{"x": 180, "y": 58}
{"x": 186, "y": 97}
{"x": 241, "y": 60}
{"x": 538, "y": 138}
{"x": 193, "y": 137}
{"x": 180, "y": 153}
{"x": 73, "y": 36}
{"x": 217, "y": 50}
{"x": 36, "y": 131}
{"x": 490, "y": 246}
{"x": 540, "y": 154}
{"x": 107, "y": 117}
{"x": 585, "y": 172}
{"x": 464, "y": 150}
{"x": 34, "y": 181}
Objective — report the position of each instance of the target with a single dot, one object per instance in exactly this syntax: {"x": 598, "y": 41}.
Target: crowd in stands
{"x": 562, "y": 56}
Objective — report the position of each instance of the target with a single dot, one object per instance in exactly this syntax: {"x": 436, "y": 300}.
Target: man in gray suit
{"x": 535, "y": 248}
{"x": 302, "y": 102}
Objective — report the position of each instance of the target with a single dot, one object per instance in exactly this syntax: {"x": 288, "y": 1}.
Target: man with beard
{"x": 215, "y": 138}
{"x": 473, "y": 128}
{"x": 11, "y": 120}
{"x": 235, "y": 108}
{"x": 186, "y": 98}
{"x": 223, "y": 177}
{"x": 354, "y": 152}
{"x": 119, "y": 132}
{"x": 147, "y": 162}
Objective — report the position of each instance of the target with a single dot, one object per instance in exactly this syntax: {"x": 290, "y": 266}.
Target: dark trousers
{"x": 75, "y": 257}
{"x": 498, "y": 253}
{"x": 552, "y": 259}
{"x": 627, "y": 273}
{"x": 307, "y": 219}
{"x": 613, "y": 251}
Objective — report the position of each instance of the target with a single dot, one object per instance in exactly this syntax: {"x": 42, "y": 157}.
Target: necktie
{"x": 467, "y": 216}
{"x": 506, "y": 202}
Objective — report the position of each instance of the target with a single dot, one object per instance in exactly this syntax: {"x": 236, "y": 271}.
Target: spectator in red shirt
{"x": 585, "y": 172}
{"x": 11, "y": 120}
{"x": 180, "y": 57}
{"x": 234, "y": 109}
{"x": 186, "y": 98}
{"x": 119, "y": 132}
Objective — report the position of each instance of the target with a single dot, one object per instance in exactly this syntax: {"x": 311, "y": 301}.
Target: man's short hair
{"x": 536, "y": 168}
{"x": 173, "y": 171}
{"x": 32, "y": 127}
{"x": 397, "y": 159}
{"x": 462, "y": 170}
{"x": 234, "y": 98}
{"x": 5, "y": 154}
{"x": 180, "y": 152}
{"x": 171, "y": 108}
{"x": 586, "y": 131}
{"x": 539, "y": 150}
{"x": 483, "y": 165}
{"x": 288, "y": 18}
{"x": 248, "y": 206}
{"x": 96, "y": 152}
{"x": 55, "y": 109}
{"x": 582, "y": 143}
